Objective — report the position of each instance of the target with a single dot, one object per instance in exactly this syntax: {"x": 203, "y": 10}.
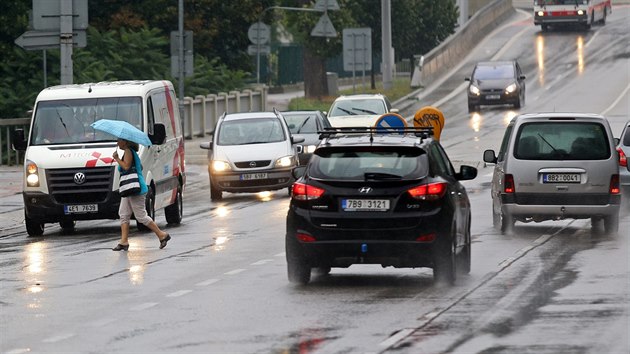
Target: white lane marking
{"x": 19, "y": 351}
{"x": 431, "y": 315}
{"x": 280, "y": 254}
{"x": 102, "y": 322}
{"x": 235, "y": 271}
{"x": 179, "y": 293}
{"x": 58, "y": 338}
{"x": 591, "y": 40}
{"x": 262, "y": 261}
{"x": 396, "y": 337}
{"x": 207, "y": 282}
{"x": 623, "y": 93}
{"x": 144, "y": 306}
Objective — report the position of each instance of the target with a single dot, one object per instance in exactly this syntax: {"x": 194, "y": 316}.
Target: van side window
{"x": 161, "y": 113}
{"x": 504, "y": 143}
{"x": 150, "y": 116}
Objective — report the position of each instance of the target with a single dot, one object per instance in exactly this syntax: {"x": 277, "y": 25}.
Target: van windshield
{"x": 560, "y": 2}
{"x": 562, "y": 141}
{"x": 68, "y": 121}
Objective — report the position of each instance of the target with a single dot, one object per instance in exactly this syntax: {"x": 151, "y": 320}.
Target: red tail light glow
{"x": 305, "y": 237}
{"x": 623, "y": 159}
{"x": 431, "y": 191}
{"x": 508, "y": 184}
{"x": 614, "y": 184}
{"x": 426, "y": 238}
{"x": 302, "y": 191}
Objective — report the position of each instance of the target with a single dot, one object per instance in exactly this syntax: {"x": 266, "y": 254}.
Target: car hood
{"x": 354, "y": 121}
{"x": 252, "y": 152}
{"x": 493, "y": 84}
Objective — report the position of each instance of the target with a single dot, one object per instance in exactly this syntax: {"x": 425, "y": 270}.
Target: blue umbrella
{"x": 122, "y": 130}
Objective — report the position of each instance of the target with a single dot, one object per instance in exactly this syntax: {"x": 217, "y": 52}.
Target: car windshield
{"x": 250, "y": 131}
{"x": 369, "y": 163}
{"x": 560, "y": 2}
{"x": 562, "y": 141}
{"x": 358, "y": 107}
{"x": 301, "y": 123}
{"x": 68, "y": 121}
{"x": 494, "y": 72}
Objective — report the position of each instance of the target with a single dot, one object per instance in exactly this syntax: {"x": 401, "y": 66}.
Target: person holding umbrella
{"x": 128, "y": 139}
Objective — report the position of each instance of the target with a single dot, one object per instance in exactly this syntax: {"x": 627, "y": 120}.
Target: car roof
{"x": 301, "y": 112}
{"x": 496, "y": 63}
{"x": 102, "y": 89}
{"x": 249, "y": 115}
{"x": 360, "y": 96}
{"x": 546, "y": 115}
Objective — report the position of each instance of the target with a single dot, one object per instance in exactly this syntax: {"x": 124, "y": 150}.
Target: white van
{"x": 69, "y": 173}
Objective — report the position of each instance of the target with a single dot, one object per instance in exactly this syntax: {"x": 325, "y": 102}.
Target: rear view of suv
{"x": 388, "y": 199}
{"x": 554, "y": 166}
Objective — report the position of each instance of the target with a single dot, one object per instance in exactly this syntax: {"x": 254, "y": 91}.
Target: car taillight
{"x": 431, "y": 191}
{"x": 305, "y": 237}
{"x": 614, "y": 184}
{"x": 508, "y": 184}
{"x": 623, "y": 159}
{"x": 303, "y": 191}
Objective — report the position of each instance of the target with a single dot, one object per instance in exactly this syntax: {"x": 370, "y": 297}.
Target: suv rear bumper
{"x": 560, "y": 211}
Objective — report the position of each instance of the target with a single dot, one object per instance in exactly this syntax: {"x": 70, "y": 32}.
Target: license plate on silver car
{"x": 80, "y": 208}
{"x": 562, "y": 178}
{"x": 252, "y": 176}
{"x": 493, "y": 97}
{"x": 365, "y": 204}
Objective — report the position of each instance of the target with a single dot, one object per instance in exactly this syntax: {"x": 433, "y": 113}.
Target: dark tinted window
{"x": 301, "y": 123}
{"x": 562, "y": 141}
{"x": 354, "y": 163}
{"x": 494, "y": 72}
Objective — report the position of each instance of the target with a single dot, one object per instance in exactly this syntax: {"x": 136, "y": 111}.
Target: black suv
{"x": 392, "y": 199}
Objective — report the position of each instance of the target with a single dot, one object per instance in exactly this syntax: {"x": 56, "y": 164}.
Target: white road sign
{"x": 259, "y": 33}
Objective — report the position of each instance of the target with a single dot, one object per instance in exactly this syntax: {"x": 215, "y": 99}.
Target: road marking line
{"x": 616, "y": 101}
{"x": 207, "y": 282}
{"x": 262, "y": 261}
{"x": 58, "y": 338}
{"x": 144, "y": 306}
{"x": 280, "y": 254}
{"x": 179, "y": 293}
{"x": 396, "y": 337}
{"x": 235, "y": 271}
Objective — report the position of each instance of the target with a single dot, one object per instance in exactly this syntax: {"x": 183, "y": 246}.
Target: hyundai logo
{"x": 252, "y": 164}
{"x": 365, "y": 190}
{"x": 79, "y": 178}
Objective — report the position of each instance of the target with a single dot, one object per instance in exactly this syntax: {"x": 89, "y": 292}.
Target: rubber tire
{"x": 67, "y": 225}
{"x": 611, "y": 224}
{"x": 506, "y": 223}
{"x": 298, "y": 271}
{"x": 215, "y": 193}
{"x": 175, "y": 212}
{"x": 33, "y": 228}
{"x": 445, "y": 263}
{"x": 544, "y": 28}
{"x": 464, "y": 257}
{"x": 603, "y": 20}
{"x": 150, "y": 207}
{"x": 472, "y": 108}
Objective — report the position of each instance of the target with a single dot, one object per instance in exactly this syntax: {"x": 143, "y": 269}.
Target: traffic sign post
{"x": 357, "y": 51}
{"x": 259, "y": 34}
{"x": 390, "y": 123}
{"x": 188, "y": 53}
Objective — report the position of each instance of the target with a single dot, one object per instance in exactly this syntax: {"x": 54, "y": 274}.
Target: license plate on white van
{"x": 365, "y": 204}
{"x": 251, "y": 176}
{"x": 80, "y": 208}
{"x": 562, "y": 178}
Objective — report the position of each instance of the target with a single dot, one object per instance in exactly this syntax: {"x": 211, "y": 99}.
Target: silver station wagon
{"x": 553, "y": 166}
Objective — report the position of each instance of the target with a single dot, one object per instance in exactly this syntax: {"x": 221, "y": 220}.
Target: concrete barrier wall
{"x": 450, "y": 52}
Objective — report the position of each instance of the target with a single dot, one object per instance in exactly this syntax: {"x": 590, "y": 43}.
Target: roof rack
{"x": 422, "y": 132}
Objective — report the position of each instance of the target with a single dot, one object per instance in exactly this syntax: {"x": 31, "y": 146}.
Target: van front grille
{"x": 95, "y": 188}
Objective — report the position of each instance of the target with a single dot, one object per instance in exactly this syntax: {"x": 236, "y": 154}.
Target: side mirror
{"x": 466, "y": 173}
{"x": 617, "y": 140}
{"x": 299, "y": 149}
{"x": 296, "y": 139}
{"x": 466, "y": 79}
{"x": 18, "y": 142}
{"x": 206, "y": 145}
{"x": 489, "y": 156}
{"x": 522, "y": 77}
{"x": 394, "y": 110}
{"x": 325, "y": 113}
{"x": 298, "y": 172}
{"x": 159, "y": 134}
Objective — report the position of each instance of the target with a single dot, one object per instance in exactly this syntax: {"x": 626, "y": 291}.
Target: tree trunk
{"x": 315, "y": 81}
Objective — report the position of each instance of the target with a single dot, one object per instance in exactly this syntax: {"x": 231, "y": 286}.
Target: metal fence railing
{"x": 8, "y": 156}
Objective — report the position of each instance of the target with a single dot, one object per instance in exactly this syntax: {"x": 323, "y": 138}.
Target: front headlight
{"x": 474, "y": 90}
{"x": 309, "y": 149}
{"x": 541, "y": 13}
{"x": 220, "y": 166}
{"x": 32, "y": 175}
{"x": 286, "y": 161}
{"x": 580, "y": 12}
{"x": 510, "y": 88}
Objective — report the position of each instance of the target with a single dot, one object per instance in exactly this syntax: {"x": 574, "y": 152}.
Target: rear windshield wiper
{"x": 548, "y": 143}
{"x": 380, "y": 176}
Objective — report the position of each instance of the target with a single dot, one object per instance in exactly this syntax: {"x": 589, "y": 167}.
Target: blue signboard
{"x": 390, "y": 123}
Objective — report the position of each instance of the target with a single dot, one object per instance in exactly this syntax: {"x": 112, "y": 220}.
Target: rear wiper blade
{"x": 380, "y": 176}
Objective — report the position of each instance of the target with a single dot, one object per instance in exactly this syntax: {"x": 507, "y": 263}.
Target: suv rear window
{"x": 562, "y": 141}
{"x": 378, "y": 162}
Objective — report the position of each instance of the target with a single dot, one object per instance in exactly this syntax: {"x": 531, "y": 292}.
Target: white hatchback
{"x": 251, "y": 152}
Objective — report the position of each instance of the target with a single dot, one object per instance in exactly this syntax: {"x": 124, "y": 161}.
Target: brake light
{"x": 508, "y": 184}
{"x": 303, "y": 191}
{"x": 623, "y": 159}
{"x": 431, "y": 191}
{"x": 305, "y": 237}
{"x": 426, "y": 238}
{"x": 614, "y": 184}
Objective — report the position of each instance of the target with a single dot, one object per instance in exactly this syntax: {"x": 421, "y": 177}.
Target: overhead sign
{"x": 390, "y": 123}
{"x": 357, "y": 49}
{"x": 36, "y": 40}
{"x": 47, "y": 13}
{"x": 429, "y": 117}
{"x": 324, "y": 28}
{"x": 259, "y": 33}
{"x": 323, "y": 5}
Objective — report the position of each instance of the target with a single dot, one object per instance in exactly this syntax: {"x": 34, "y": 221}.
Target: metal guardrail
{"x": 8, "y": 156}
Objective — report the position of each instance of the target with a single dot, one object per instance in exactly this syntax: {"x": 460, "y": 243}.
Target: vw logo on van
{"x": 79, "y": 178}
{"x": 365, "y": 190}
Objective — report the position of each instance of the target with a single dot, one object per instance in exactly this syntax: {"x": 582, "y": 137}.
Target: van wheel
{"x": 150, "y": 207}
{"x": 175, "y": 211}
{"x": 67, "y": 225}
{"x": 611, "y": 224}
{"x": 33, "y": 228}
{"x": 215, "y": 193}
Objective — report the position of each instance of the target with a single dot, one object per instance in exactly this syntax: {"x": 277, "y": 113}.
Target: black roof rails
{"x": 422, "y": 132}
